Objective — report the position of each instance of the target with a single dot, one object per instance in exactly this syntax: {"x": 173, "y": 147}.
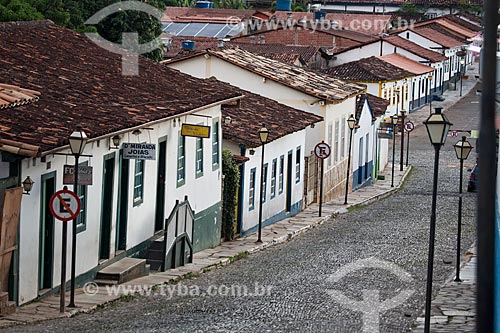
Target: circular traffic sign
{"x": 65, "y": 205}
{"x": 322, "y": 150}
{"x": 409, "y": 126}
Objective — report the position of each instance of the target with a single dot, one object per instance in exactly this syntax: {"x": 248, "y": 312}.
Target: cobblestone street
{"x": 325, "y": 279}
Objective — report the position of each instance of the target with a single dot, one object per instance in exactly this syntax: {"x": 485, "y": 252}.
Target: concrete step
{"x": 8, "y": 308}
{"x": 155, "y": 254}
{"x": 103, "y": 282}
{"x": 124, "y": 270}
{"x": 157, "y": 245}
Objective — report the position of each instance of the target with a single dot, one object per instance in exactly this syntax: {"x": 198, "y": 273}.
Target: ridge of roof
{"x": 414, "y": 48}
{"x": 312, "y": 83}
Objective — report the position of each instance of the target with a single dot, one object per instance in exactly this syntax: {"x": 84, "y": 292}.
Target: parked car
{"x": 471, "y": 185}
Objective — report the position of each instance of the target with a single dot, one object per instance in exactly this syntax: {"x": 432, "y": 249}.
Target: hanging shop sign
{"x": 198, "y": 131}
{"x": 84, "y": 175}
{"x": 139, "y": 151}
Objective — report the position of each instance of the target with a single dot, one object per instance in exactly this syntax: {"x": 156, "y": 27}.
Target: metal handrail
{"x": 174, "y": 214}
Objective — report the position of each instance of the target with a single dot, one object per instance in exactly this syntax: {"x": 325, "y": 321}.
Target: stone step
{"x": 103, "y": 282}
{"x": 124, "y": 270}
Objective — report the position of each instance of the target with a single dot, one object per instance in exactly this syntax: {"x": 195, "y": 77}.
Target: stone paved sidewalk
{"x": 453, "y": 309}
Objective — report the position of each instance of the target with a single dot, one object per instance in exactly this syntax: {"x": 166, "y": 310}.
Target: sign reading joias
{"x": 139, "y": 151}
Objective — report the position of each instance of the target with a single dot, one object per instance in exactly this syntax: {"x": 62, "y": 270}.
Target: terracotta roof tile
{"x": 305, "y": 52}
{"x": 11, "y": 96}
{"x": 438, "y": 37}
{"x": 82, "y": 84}
{"x": 174, "y": 13}
{"x": 369, "y": 69}
{"x": 407, "y": 64}
{"x": 377, "y": 104}
{"x": 373, "y": 24}
{"x": 254, "y": 111}
{"x": 416, "y": 49}
{"x": 312, "y": 83}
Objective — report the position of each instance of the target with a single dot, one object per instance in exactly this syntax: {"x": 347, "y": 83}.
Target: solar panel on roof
{"x": 175, "y": 28}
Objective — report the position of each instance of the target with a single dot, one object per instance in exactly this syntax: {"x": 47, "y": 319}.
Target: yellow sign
{"x": 198, "y": 131}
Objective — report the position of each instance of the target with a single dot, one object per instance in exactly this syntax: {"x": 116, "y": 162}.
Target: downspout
{"x": 241, "y": 190}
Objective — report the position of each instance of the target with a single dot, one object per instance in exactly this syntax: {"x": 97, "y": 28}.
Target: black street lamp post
{"x": 77, "y": 142}
{"x": 462, "y": 150}
{"x": 462, "y": 64}
{"x": 437, "y": 127}
{"x": 351, "y": 122}
{"x": 394, "y": 120}
{"x": 263, "y": 136}
{"x": 430, "y": 94}
{"x": 401, "y": 156}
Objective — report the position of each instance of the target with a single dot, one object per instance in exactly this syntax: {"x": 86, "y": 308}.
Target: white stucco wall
{"x": 272, "y": 207}
{"x": 141, "y": 218}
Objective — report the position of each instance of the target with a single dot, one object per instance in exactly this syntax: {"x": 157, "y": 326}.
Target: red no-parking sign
{"x": 322, "y": 150}
{"x": 65, "y": 205}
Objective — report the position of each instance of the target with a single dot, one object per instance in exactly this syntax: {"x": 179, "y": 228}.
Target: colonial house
{"x": 311, "y": 92}
{"x": 129, "y": 195}
{"x": 11, "y": 192}
{"x": 432, "y": 39}
{"x": 370, "y": 154}
{"x": 381, "y": 78}
{"x": 418, "y": 91}
{"x": 282, "y": 182}
{"x": 404, "y": 47}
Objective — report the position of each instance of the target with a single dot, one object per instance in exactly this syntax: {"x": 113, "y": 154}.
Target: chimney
{"x": 252, "y": 39}
{"x": 262, "y": 40}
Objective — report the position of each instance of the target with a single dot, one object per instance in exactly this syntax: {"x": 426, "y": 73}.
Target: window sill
{"x": 137, "y": 202}
{"x": 181, "y": 183}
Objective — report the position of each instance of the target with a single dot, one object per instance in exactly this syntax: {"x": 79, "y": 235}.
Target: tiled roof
{"x": 407, "y": 64}
{"x": 369, "y": 69}
{"x": 200, "y": 43}
{"x": 254, "y": 111}
{"x": 416, "y": 49}
{"x": 311, "y": 83}
{"x": 373, "y": 24}
{"x": 377, "y": 105}
{"x": 175, "y": 13}
{"x": 457, "y": 19}
{"x": 442, "y": 30}
{"x": 438, "y": 37}
{"x": 11, "y": 96}
{"x": 315, "y": 28}
{"x": 82, "y": 84}
{"x": 305, "y": 52}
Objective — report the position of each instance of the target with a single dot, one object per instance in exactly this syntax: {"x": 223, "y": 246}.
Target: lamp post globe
{"x": 27, "y": 185}
{"x": 77, "y": 141}
{"x": 437, "y": 128}
{"x": 263, "y": 134}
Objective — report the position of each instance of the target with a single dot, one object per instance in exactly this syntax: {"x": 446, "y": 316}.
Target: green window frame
{"x": 215, "y": 145}
{"x": 139, "y": 182}
{"x": 273, "y": 178}
{"x": 297, "y": 165}
{"x": 281, "y": 174}
{"x": 199, "y": 157}
{"x": 264, "y": 184}
{"x": 251, "y": 190}
{"x": 181, "y": 160}
{"x": 81, "y": 219}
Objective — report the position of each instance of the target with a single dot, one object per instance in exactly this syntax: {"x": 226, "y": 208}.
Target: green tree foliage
{"x": 73, "y": 13}
{"x": 231, "y": 174}
{"x": 410, "y": 9}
